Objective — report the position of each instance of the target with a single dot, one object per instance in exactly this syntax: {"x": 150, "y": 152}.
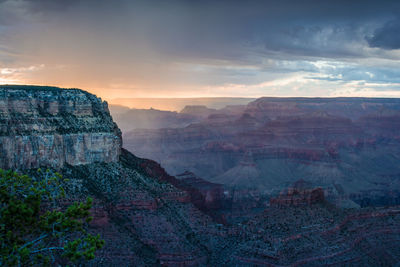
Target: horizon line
{"x": 199, "y": 97}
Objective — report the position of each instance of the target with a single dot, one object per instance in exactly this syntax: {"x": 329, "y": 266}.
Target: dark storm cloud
{"x": 50, "y": 5}
{"x": 200, "y": 42}
{"x": 232, "y": 30}
{"x": 387, "y": 36}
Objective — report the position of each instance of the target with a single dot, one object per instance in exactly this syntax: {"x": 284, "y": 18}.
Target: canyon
{"x": 149, "y": 217}
{"x": 347, "y": 146}
{"x": 176, "y": 104}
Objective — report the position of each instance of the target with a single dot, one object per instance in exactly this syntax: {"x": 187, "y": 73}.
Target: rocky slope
{"x": 149, "y": 218}
{"x": 351, "y": 143}
{"x": 144, "y": 220}
{"x": 145, "y": 216}
{"x": 318, "y": 235}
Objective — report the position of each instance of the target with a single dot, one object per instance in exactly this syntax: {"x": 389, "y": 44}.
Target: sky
{"x": 195, "y": 48}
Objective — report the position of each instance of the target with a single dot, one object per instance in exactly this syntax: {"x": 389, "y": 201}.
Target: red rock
{"x": 298, "y": 195}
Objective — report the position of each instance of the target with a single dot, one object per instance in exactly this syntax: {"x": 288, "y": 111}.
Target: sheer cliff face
{"x": 147, "y": 217}
{"x": 45, "y": 126}
{"x": 139, "y": 210}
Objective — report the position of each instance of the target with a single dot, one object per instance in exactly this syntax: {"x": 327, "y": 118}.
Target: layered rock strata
{"x": 149, "y": 218}
{"x": 300, "y": 194}
{"x": 46, "y": 126}
{"x": 353, "y": 143}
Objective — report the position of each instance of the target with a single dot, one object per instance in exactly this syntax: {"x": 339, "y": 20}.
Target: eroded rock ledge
{"x": 49, "y": 126}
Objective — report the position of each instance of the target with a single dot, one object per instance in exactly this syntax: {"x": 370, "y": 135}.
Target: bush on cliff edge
{"x": 35, "y": 229}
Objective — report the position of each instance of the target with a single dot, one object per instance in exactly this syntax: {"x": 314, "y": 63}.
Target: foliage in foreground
{"x": 34, "y": 230}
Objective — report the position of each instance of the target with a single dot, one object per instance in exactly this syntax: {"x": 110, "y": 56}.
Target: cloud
{"x": 50, "y": 5}
{"x": 387, "y": 36}
{"x": 155, "y": 47}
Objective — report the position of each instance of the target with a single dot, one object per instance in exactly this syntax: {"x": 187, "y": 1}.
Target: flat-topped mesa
{"x": 50, "y": 126}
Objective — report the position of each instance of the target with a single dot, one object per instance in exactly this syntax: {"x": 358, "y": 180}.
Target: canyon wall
{"x": 150, "y": 218}
{"x": 46, "y": 126}
{"x": 352, "y": 143}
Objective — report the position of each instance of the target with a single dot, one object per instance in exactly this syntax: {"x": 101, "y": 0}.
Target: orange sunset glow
{"x": 129, "y": 50}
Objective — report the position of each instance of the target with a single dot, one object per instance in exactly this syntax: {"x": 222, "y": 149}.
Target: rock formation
{"x": 300, "y": 194}
{"x": 44, "y": 126}
{"x": 150, "y": 218}
{"x": 130, "y": 119}
{"x": 212, "y": 194}
{"x": 198, "y": 111}
{"x": 143, "y": 217}
{"x": 351, "y": 142}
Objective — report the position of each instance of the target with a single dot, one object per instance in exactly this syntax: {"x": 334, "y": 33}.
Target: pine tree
{"x": 35, "y": 230}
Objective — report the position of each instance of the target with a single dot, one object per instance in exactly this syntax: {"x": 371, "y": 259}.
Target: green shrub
{"x": 35, "y": 229}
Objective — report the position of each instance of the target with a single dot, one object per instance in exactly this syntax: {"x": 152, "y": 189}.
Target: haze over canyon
{"x": 247, "y": 216}
{"x": 200, "y": 133}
